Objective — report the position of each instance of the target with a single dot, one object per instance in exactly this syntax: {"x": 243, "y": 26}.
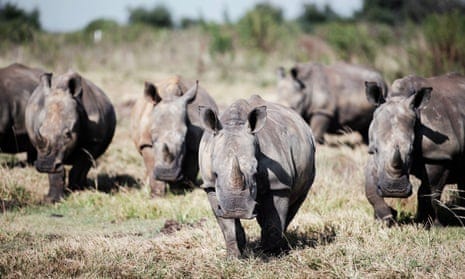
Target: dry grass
{"x": 114, "y": 230}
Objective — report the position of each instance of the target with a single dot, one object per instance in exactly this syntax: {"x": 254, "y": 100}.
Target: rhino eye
{"x": 372, "y": 150}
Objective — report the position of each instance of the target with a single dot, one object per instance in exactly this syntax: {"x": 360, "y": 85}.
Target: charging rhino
{"x": 17, "y": 82}
{"x": 330, "y": 98}
{"x": 70, "y": 121}
{"x": 166, "y": 131}
{"x": 419, "y": 129}
{"x": 257, "y": 159}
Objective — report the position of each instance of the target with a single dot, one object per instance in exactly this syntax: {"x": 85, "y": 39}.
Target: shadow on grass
{"x": 449, "y": 214}
{"x": 110, "y": 184}
{"x": 294, "y": 240}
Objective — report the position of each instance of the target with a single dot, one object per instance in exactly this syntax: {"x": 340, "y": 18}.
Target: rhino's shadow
{"x": 108, "y": 183}
{"x": 294, "y": 240}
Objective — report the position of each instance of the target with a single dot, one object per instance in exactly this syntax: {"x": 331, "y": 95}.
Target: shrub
{"x": 445, "y": 37}
{"x": 259, "y": 27}
{"x": 159, "y": 16}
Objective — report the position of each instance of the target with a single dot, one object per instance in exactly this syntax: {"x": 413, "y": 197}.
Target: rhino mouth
{"x": 398, "y": 191}
{"x": 237, "y": 213}
{"x": 48, "y": 165}
{"x": 168, "y": 174}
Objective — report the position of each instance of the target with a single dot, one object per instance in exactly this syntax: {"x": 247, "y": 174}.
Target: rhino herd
{"x": 256, "y": 159}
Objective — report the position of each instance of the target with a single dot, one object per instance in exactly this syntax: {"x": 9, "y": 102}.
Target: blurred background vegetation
{"x": 397, "y": 37}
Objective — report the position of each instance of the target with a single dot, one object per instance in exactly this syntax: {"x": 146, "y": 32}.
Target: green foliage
{"x": 221, "y": 41}
{"x": 101, "y": 24}
{"x": 312, "y": 15}
{"x": 159, "y": 16}
{"x": 445, "y": 36}
{"x": 259, "y": 27}
{"x": 350, "y": 40}
{"x": 17, "y": 25}
{"x": 397, "y": 12}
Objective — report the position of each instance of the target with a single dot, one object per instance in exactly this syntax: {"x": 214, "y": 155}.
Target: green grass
{"x": 114, "y": 230}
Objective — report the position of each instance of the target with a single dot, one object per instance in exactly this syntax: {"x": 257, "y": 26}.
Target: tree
{"x": 312, "y": 15}
{"x": 17, "y": 25}
{"x": 159, "y": 16}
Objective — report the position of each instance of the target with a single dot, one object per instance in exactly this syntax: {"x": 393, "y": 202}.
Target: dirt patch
{"x": 172, "y": 226}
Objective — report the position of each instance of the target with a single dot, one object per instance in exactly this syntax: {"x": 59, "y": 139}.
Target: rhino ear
{"x": 299, "y": 85}
{"x": 75, "y": 85}
{"x": 46, "y": 82}
{"x": 281, "y": 73}
{"x": 257, "y": 119}
{"x": 151, "y": 93}
{"x": 191, "y": 93}
{"x": 420, "y": 98}
{"x": 209, "y": 119}
{"x": 374, "y": 93}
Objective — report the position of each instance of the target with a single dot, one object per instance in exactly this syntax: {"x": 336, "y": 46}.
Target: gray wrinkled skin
{"x": 330, "y": 98}
{"x": 167, "y": 132}
{"x": 256, "y": 160}
{"x": 70, "y": 121}
{"x": 418, "y": 129}
{"x": 17, "y": 82}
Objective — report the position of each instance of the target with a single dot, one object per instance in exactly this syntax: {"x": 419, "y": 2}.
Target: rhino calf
{"x": 166, "y": 131}
{"x": 257, "y": 159}
{"x": 70, "y": 121}
{"x": 418, "y": 129}
{"x": 330, "y": 98}
{"x": 17, "y": 82}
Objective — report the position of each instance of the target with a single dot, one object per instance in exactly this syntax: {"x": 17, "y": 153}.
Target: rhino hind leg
{"x": 429, "y": 195}
{"x": 319, "y": 124}
{"x": 272, "y": 216}
{"x": 57, "y": 186}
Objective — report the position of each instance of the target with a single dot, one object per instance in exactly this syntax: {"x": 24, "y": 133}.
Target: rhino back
{"x": 347, "y": 82}
{"x": 442, "y": 128}
{"x": 101, "y": 119}
{"x": 286, "y": 148}
{"x": 17, "y": 82}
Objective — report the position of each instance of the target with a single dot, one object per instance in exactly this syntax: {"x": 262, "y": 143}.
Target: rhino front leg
{"x": 78, "y": 173}
{"x": 31, "y": 155}
{"x": 232, "y": 230}
{"x": 157, "y": 188}
{"x": 319, "y": 124}
{"x": 56, "y": 189}
{"x": 272, "y": 216}
{"x": 382, "y": 210}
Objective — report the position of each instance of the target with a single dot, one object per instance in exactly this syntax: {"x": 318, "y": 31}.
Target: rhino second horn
{"x": 167, "y": 156}
{"x": 237, "y": 179}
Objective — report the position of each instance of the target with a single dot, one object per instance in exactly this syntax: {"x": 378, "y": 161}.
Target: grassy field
{"x": 115, "y": 230}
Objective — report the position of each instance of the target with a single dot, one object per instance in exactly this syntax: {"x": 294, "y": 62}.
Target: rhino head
{"x": 56, "y": 135}
{"x": 234, "y": 164}
{"x": 168, "y": 131}
{"x": 392, "y": 137}
{"x": 291, "y": 89}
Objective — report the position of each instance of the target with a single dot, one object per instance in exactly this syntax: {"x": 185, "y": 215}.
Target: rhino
{"x": 330, "y": 98}
{"x": 17, "y": 82}
{"x": 70, "y": 121}
{"x": 256, "y": 160}
{"x": 167, "y": 132}
{"x": 419, "y": 129}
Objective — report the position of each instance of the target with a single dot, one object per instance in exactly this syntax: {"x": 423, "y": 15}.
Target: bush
{"x": 16, "y": 25}
{"x": 445, "y": 37}
{"x": 259, "y": 27}
{"x": 159, "y": 16}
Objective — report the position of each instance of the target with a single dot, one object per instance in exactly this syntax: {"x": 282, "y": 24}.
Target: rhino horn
{"x": 237, "y": 179}
{"x": 397, "y": 159}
